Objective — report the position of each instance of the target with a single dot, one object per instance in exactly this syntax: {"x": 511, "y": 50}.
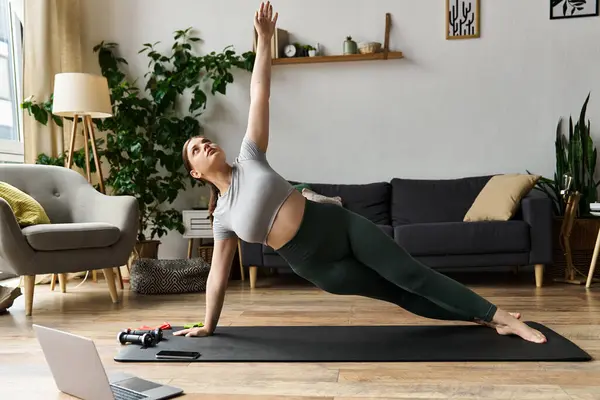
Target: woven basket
{"x": 369, "y": 47}
{"x": 151, "y": 276}
{"x": 206, "y": 253}
{"x": 583, "y": 239}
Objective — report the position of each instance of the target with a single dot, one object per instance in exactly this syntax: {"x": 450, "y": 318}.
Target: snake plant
{"x": 576, "y": 159}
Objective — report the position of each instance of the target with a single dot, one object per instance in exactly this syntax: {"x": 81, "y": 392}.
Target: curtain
{"x": 51, "y": 45}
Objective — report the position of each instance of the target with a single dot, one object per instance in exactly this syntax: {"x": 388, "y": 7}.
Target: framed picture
{"x": 462, "y": 19}
{"x": 561, "y": 9}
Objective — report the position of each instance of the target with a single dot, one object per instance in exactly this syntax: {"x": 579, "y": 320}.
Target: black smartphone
{"x": 179, "y": 355}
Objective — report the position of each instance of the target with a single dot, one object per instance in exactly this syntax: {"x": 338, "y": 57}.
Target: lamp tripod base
{"x": 88, "y": 135}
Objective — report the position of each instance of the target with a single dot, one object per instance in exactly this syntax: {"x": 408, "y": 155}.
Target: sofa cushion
{"x": 71, "y": 236}
{"x": 417, "y": 201}
{"x": 451, "y": 238}
{"x": 371, "y": 200}
{"x": 388, "y": 229}
{"x": 268, "y": 250}
{"x": 501, "y": 197}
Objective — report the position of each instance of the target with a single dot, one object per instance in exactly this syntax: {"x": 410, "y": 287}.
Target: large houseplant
{"x": 145, "y": 136}
{"x": 576, "y": 157}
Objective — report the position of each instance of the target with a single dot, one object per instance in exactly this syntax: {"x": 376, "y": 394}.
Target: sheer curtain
{"x": 51, "y": 44}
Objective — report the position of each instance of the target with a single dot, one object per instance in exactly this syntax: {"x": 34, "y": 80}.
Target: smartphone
{"x": 179, "y": 355}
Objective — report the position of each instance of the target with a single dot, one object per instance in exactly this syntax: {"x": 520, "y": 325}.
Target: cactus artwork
{"x": 462, "y": 18}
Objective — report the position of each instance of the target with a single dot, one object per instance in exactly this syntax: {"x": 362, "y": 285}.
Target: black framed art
{"x": 562, "y": 9}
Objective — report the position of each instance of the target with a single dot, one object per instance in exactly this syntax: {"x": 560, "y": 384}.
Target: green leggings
{"x": 344, "y": 253}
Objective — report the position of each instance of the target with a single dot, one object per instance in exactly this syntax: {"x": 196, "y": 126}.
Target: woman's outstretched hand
{"x": 193, "y": 332}
{"x": 265, "y": 21}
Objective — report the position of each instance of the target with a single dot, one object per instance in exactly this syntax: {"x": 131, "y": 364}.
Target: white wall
{"x": 449, "y": 109}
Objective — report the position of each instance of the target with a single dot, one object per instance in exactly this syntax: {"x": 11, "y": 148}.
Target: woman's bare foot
{"x": 509, "y": 324}
{"x": 494, "y": 325}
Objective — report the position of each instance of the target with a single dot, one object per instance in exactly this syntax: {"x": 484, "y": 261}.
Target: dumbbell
{"x": 157, "y": 333}
{"x": 145, "y": 339}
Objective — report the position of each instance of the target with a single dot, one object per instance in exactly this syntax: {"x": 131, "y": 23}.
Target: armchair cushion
{"x": 71, "y": 236}
{"x": 26, "y": 209}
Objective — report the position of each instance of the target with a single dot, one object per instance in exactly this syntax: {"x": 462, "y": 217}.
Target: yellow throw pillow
{"x": 500, "y": 197}
{"x": 26, "y": 209}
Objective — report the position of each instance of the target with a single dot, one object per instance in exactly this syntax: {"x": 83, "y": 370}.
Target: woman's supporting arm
{"x": 216, "y": 286}
{"x": 218, "y": 279}
{"x": 260, "y": 86}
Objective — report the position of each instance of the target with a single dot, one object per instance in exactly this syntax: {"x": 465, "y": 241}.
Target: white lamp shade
{"x": 81, "y": 94}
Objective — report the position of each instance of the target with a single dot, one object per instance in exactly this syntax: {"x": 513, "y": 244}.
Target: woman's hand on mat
{"x": 265, "y": 20}
{"x": 193, "y": 332}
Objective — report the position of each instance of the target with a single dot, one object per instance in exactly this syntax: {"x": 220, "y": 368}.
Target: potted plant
{"x": 576, "y": 156}
{"x": 150, "y": 124}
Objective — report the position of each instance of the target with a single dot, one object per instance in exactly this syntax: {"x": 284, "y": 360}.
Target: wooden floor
{"x": 570, "y": 310}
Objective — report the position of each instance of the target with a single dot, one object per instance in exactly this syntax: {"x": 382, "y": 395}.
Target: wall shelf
{"x": 384, "y": 54}
{"x": 391, "y": 55}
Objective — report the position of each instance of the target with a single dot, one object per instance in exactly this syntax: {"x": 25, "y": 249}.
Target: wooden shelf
{"x": 385, "y": 54}
{"x": 391, "y": 55}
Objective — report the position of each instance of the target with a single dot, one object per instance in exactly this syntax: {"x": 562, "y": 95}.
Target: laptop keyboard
{"x": 124, "y": 394}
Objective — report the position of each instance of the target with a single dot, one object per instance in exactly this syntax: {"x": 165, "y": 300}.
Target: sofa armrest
{"x": 15, "y": 252}
{"x": 537, "y": 212}
{"x": 90, "y": 205}
{"x": 252, "y": 254}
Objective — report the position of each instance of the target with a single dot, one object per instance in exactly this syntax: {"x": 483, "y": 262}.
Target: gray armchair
{"x": 88, "y": 230}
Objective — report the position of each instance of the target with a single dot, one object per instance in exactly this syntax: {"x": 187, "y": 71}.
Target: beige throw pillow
{"x": 500, "y": 197}
{"x": 319, "y": 198}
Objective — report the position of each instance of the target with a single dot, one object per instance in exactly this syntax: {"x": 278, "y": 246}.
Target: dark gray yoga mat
{"x": 360, "y": 344}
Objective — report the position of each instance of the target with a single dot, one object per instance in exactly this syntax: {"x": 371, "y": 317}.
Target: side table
{"x": 197, "y": 226}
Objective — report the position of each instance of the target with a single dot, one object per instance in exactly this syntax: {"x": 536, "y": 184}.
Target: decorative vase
{"x": 312, "y": 53}
{"x": 350, "y": 46}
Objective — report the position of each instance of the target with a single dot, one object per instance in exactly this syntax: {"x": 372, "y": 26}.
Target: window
{"x": 11, "y": 67}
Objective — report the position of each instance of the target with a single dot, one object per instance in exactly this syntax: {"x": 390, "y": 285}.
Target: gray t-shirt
{"x": 248, "y": 208}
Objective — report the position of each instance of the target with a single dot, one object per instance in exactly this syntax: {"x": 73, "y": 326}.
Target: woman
{"x": 336, "y": 249}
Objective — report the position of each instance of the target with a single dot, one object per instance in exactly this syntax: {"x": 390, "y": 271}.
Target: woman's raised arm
{"x": 260, "y": 87}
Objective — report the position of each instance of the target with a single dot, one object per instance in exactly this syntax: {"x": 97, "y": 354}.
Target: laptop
{"x": 78, "y": 371}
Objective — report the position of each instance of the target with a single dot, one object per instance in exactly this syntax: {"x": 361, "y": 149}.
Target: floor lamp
{"x": 82, "y": 97}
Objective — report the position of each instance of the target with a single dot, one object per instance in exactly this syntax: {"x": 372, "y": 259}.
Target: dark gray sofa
{"x": 426, "y": 218}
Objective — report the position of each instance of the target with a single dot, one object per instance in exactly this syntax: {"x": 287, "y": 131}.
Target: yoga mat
{"x": 360, "y": 344}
